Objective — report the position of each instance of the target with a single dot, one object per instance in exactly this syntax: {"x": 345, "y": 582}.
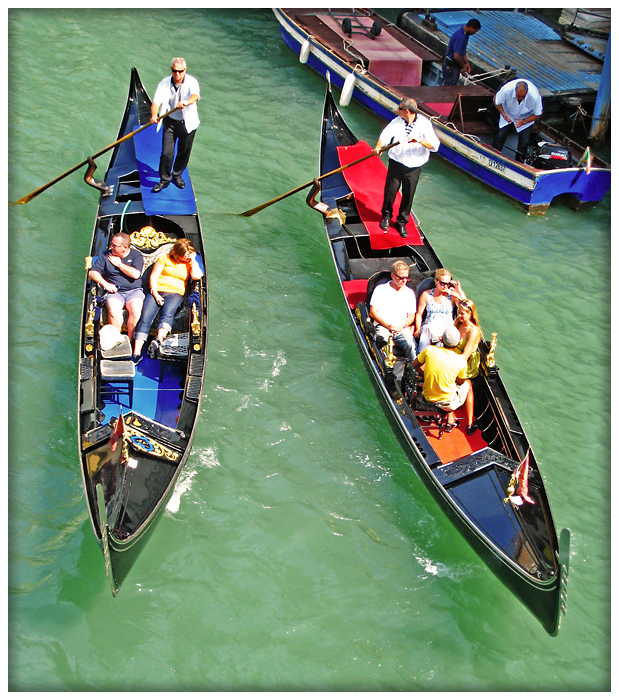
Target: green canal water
{"x": 300, "y": 551}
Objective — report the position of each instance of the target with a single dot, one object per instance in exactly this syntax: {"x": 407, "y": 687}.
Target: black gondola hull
{"x": 136, "y": 427}
{"x": 519, "y": 545}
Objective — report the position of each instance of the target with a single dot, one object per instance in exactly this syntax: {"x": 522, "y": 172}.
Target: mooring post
{"x": 601, "y": 111}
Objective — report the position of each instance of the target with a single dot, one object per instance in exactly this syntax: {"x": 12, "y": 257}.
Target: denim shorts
{"x": 127, "y": 295}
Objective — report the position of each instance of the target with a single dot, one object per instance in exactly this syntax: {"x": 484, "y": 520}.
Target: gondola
{"x": 477, "y": 480}
{"x": 376, "y": 63}
{"x": 136, "y": 423}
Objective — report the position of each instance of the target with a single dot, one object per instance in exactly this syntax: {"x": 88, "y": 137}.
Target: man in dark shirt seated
{"x": 119, "y": 272}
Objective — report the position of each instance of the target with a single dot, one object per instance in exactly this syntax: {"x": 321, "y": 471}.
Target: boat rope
{"x": 419, "y": 261}
{"x": 122, "y": 216}
{"x": 360, "y": 66}
{"x": 355, "y": 239}
{"x": 468, "y": 80}
{"x": 473, "y": 137}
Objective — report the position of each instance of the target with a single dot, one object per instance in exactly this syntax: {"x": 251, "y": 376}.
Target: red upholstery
{"x": 356, "y": 291}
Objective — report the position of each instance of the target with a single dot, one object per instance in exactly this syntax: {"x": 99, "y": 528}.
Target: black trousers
{"x": 399, "y": 175}
{"x": 524, "y": 138}
{"x": 174, "y": 131}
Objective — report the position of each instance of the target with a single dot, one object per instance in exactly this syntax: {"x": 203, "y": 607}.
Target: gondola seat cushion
{"x": 117, "y": 370}
{"x": 356, "y": 291}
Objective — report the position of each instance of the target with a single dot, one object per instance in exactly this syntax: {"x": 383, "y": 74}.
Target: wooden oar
{"x": 32, "y": 195}
{"x": 255, "y": 210}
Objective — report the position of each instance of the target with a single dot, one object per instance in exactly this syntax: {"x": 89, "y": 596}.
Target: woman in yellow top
{"x": 168, "y": 280}
{"x": 467, "y": 324}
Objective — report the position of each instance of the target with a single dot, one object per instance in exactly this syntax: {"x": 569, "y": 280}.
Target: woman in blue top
{"x": 438, "y": 304}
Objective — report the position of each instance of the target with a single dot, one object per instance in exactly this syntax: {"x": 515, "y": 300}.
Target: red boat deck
{"x": 389, "y": 60}
{"x": 456, "y": 444}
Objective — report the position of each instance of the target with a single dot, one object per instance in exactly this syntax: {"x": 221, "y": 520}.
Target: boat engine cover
{"x": 550, "y": 156}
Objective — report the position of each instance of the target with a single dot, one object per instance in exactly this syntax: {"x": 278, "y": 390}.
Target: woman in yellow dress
{"x": 467, "y": 324}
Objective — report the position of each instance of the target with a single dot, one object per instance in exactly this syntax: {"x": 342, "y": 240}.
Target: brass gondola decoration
{"x": 390, "y": 358}
{"x": 490, "y": 357}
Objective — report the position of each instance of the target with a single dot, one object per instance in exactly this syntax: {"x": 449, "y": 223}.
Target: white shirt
{"x": 393, "y": 306}
{"x": 532, "y": 103}
{"x": 411, "y": 155}
{"x": 167, "y": 99}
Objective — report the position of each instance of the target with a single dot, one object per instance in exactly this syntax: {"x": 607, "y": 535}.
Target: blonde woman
{"x": 467, "y": 323}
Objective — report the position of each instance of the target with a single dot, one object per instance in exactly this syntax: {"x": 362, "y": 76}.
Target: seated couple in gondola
{"x": 167, "y": 283}
{"x": 415, "y": 324}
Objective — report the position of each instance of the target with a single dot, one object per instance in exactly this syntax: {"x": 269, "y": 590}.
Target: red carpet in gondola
{"x": 456, "y": 444}
{"x": 367, "y": 181}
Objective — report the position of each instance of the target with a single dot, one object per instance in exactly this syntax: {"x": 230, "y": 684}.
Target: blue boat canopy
{"x": 535, "y": 50}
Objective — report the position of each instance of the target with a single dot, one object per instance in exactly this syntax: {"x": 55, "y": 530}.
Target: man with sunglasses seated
{"x": 392, "y": 308}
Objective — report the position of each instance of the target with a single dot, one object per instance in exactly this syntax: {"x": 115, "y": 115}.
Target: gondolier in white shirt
{"x": 416, "y": 139}
{"x": 178, "y": 90}
{"x": 519, "y": 104}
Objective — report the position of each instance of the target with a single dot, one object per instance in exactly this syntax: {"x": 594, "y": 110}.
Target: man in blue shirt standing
{"x": 455, "y": 61}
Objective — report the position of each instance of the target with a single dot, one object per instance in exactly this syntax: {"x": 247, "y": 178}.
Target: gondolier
{"x": 178, "y": 90}
{"x": 416, "y": 139}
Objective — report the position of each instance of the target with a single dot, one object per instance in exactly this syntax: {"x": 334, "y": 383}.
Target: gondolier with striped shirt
{"x": 416, "y": 139}
{"x": 178, "y": 90}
